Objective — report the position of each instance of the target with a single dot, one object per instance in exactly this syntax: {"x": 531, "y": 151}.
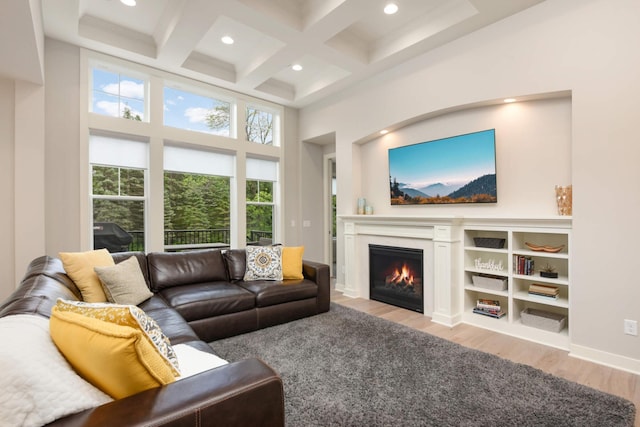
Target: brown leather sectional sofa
{"x": 199, "y": 297}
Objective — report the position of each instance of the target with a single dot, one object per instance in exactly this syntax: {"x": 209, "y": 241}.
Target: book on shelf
{"x": 543, "y": 296}
{"x": 494, "y": 314}
{"x": 523, "y": 265}
{"x": 548, "y": 291}
{"x": 488, "y": 304}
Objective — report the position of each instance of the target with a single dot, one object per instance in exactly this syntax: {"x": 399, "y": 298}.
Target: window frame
{"x": 213, "y": 95}
{"x": 275, "y": 126}
{"x": 120, "y": 70}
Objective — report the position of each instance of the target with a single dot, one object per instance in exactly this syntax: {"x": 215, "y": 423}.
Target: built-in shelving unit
{"x": 501, "y": 263}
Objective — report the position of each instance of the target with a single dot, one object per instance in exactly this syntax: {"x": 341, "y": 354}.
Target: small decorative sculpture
{"x": 564, "y": 198}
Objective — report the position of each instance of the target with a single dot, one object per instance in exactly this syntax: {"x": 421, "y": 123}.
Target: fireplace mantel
{"x": 444, "y": 233}
{"x": 441, "y": 235}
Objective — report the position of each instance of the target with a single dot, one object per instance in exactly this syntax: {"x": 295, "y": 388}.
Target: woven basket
{"x": 489, "y": 242}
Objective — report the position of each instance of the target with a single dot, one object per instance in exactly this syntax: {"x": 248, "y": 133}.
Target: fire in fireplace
{"x": 396, "y": 276}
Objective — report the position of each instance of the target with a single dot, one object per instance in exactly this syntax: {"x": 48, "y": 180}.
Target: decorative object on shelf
{"x": 361, "y": 204}
{"x": 368, "y": 210}
{"x": 544, "y": 248}
{"x": 542, "y": 319}
{"x": 564, "y": 198}
{"x": 488, "y": 265}
{"x": 549, "y": 271}
{"x": 491, "y": 282}
{"x": 489, "y": 242}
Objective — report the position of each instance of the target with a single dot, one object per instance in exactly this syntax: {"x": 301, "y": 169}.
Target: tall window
{"x": 118, "y": 196}
{"x": 117, "y": 95}
{"x": 197, "y": 195}
{"x": 262, "y": 176}
{"x": 186, "y": 110}
{"x": 259, "y": 127}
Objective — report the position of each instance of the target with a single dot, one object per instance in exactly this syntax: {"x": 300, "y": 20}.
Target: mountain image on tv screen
{"x": 458, "y": 169}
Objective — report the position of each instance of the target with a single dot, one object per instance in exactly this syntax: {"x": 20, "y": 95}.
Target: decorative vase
{"x": 564, "y": 198}
{"x": 361, "y": 204}
{"x": 368, "y": 210}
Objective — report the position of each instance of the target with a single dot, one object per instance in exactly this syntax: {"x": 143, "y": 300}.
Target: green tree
{"x": 127, "y": 114}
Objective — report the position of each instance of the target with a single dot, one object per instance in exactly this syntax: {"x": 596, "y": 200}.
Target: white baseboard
{"x": 603, "y": 358}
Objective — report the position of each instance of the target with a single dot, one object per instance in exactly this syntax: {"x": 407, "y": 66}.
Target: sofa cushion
{"x": 173, "y": 325}
{"x": 124, "y": 283}
{"x": 236, "y": 261}
{"x": 80, "y": 268}
{"x": 203, "y": 300}
{"x": 269, "y": 292}
{"x": 117, "y": 359}
{"x": 170, "y": 269}
{"x": 263, "y": 263}
{"x": 38, "y": 385}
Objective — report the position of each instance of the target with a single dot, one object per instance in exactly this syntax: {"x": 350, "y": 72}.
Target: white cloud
{"x": 197, "y": 114}
{"x": 127, "y": 89}
{"x": 108, "y": 108}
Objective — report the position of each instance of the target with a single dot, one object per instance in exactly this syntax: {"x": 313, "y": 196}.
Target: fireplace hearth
{"x": 396, "y": 276}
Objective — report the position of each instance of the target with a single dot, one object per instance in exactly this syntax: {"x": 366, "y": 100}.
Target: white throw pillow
{"x": 193, "y": 361}
{"x": 37, "y": 384}
{"x": 263, "y": 263}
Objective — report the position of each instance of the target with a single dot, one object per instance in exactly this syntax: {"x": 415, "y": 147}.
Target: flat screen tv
{"x": 458, "y": 169}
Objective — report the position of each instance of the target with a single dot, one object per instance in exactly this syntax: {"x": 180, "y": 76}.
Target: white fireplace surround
{"x": 439, "y": 238}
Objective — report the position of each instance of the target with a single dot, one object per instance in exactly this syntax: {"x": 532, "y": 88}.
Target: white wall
{"x": 533, "y": 139}
{"x": 588, "y": 47}
{"x": 7, "y": 268}
{"x": 62, "y": 150}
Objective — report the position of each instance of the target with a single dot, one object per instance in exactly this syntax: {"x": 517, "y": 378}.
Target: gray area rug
{"x": 347, "y": 368}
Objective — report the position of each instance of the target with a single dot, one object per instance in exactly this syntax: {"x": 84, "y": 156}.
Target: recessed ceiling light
{"x": 390, "y": 8}
{"x": 128, "y": 2}
{"x": 384, "y": 132}
{"x": 508, "y": 100}
{"x": 227, "y": 40}
{"x": 296, "y": 67}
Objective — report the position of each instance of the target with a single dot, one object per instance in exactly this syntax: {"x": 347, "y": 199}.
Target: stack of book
{"x": 544, "y": 291}
{"x": 522, "y": 265}
{"x": 489, "y": 307}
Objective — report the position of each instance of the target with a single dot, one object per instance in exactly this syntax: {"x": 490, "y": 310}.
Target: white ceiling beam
{"x": 191, "y": 21}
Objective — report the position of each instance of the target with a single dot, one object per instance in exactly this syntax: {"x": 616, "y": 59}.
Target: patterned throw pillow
{"x": 126, "y": 315}
{"x": 263, "y": 263}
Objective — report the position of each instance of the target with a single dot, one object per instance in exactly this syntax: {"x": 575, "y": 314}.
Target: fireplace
{"x": 396, "y": 276}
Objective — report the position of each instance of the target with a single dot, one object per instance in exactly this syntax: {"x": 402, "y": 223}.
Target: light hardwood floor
{"x": 548, "y": 359}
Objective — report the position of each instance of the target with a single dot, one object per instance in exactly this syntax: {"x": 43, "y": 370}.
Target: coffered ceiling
{"x": 337, "y": 42}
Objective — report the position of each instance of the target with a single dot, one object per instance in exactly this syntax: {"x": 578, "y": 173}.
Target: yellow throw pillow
{"x": 292, "y": 262}
{"x": 79, "y": 267}
{"x": 116, "y": 359}
{"x": 126, "y": 315}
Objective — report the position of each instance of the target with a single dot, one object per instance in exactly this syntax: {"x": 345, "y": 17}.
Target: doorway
{"x": 330, "y": 191}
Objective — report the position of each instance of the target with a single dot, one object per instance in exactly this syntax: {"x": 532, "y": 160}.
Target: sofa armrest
{"x": 244, "y": 393}
{"x": 319, "y": 273}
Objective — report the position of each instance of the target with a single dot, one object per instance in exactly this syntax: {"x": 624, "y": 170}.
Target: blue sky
{"x": 184, "y": 110}
{"x": 458, "y": 159}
